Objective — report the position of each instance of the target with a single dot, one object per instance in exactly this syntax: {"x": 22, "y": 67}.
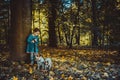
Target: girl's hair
{"x": 36, "y": 30}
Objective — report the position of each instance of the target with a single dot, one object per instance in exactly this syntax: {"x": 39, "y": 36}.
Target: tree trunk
{"x": 20, "y": 28}
{"x": 94, "y": 29}
{"x": 78, "y": 36}
{"x": 78, "y": 3}
{"x": 52, "y": 19}
{"x": 59, "y": 35}
{"x": 71, "y": 37}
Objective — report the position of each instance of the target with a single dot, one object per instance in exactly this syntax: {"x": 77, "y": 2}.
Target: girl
{"x": 32, "y": 44}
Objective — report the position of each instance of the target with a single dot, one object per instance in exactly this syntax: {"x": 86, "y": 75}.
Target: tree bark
{"x": 94, "y": 28}
{"x": 51, "y": 23}
{"x": 20, "y": 28}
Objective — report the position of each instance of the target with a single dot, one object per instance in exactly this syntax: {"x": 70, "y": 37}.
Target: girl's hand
{"x": 33, "y": 41}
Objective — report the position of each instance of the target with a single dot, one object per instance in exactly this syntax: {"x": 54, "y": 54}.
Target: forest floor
{"x": 68, "y": 64}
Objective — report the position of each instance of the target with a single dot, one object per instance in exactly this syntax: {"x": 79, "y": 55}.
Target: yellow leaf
{"x": 88, "y": 20}
{"x": 70, "y": 78}
{"x": 62, "y": 75}
{"x": 30, "y": 70}
{"x": 15, "y": 78}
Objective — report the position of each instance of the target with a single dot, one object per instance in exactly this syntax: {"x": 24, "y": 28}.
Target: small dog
{"x": 43, "y": 64}
{"x": 48, "y": 64}
{"x": 40, "y": 62}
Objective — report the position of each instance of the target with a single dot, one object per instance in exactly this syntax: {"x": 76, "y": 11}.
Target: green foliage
{"x": 76, "y": 22}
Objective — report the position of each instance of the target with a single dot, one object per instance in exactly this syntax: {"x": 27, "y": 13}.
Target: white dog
{"x": 43, "y": 64}
{"x": 48, "y": 64}
{"x": 40, "y": 62}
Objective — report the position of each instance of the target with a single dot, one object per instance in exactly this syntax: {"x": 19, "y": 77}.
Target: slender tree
{"x": 51, "y": 23}
{"x": 94, "y": 27}
{"x": 78, "y": 3}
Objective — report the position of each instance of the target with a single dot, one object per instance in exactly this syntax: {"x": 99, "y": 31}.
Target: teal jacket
{"x": 32, "y": 47}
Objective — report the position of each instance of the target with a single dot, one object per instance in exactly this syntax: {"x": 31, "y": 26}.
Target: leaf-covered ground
{"x": 68, "y": 64}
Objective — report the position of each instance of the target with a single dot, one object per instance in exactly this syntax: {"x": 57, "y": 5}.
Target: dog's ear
{"x": 40, "y": 55}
